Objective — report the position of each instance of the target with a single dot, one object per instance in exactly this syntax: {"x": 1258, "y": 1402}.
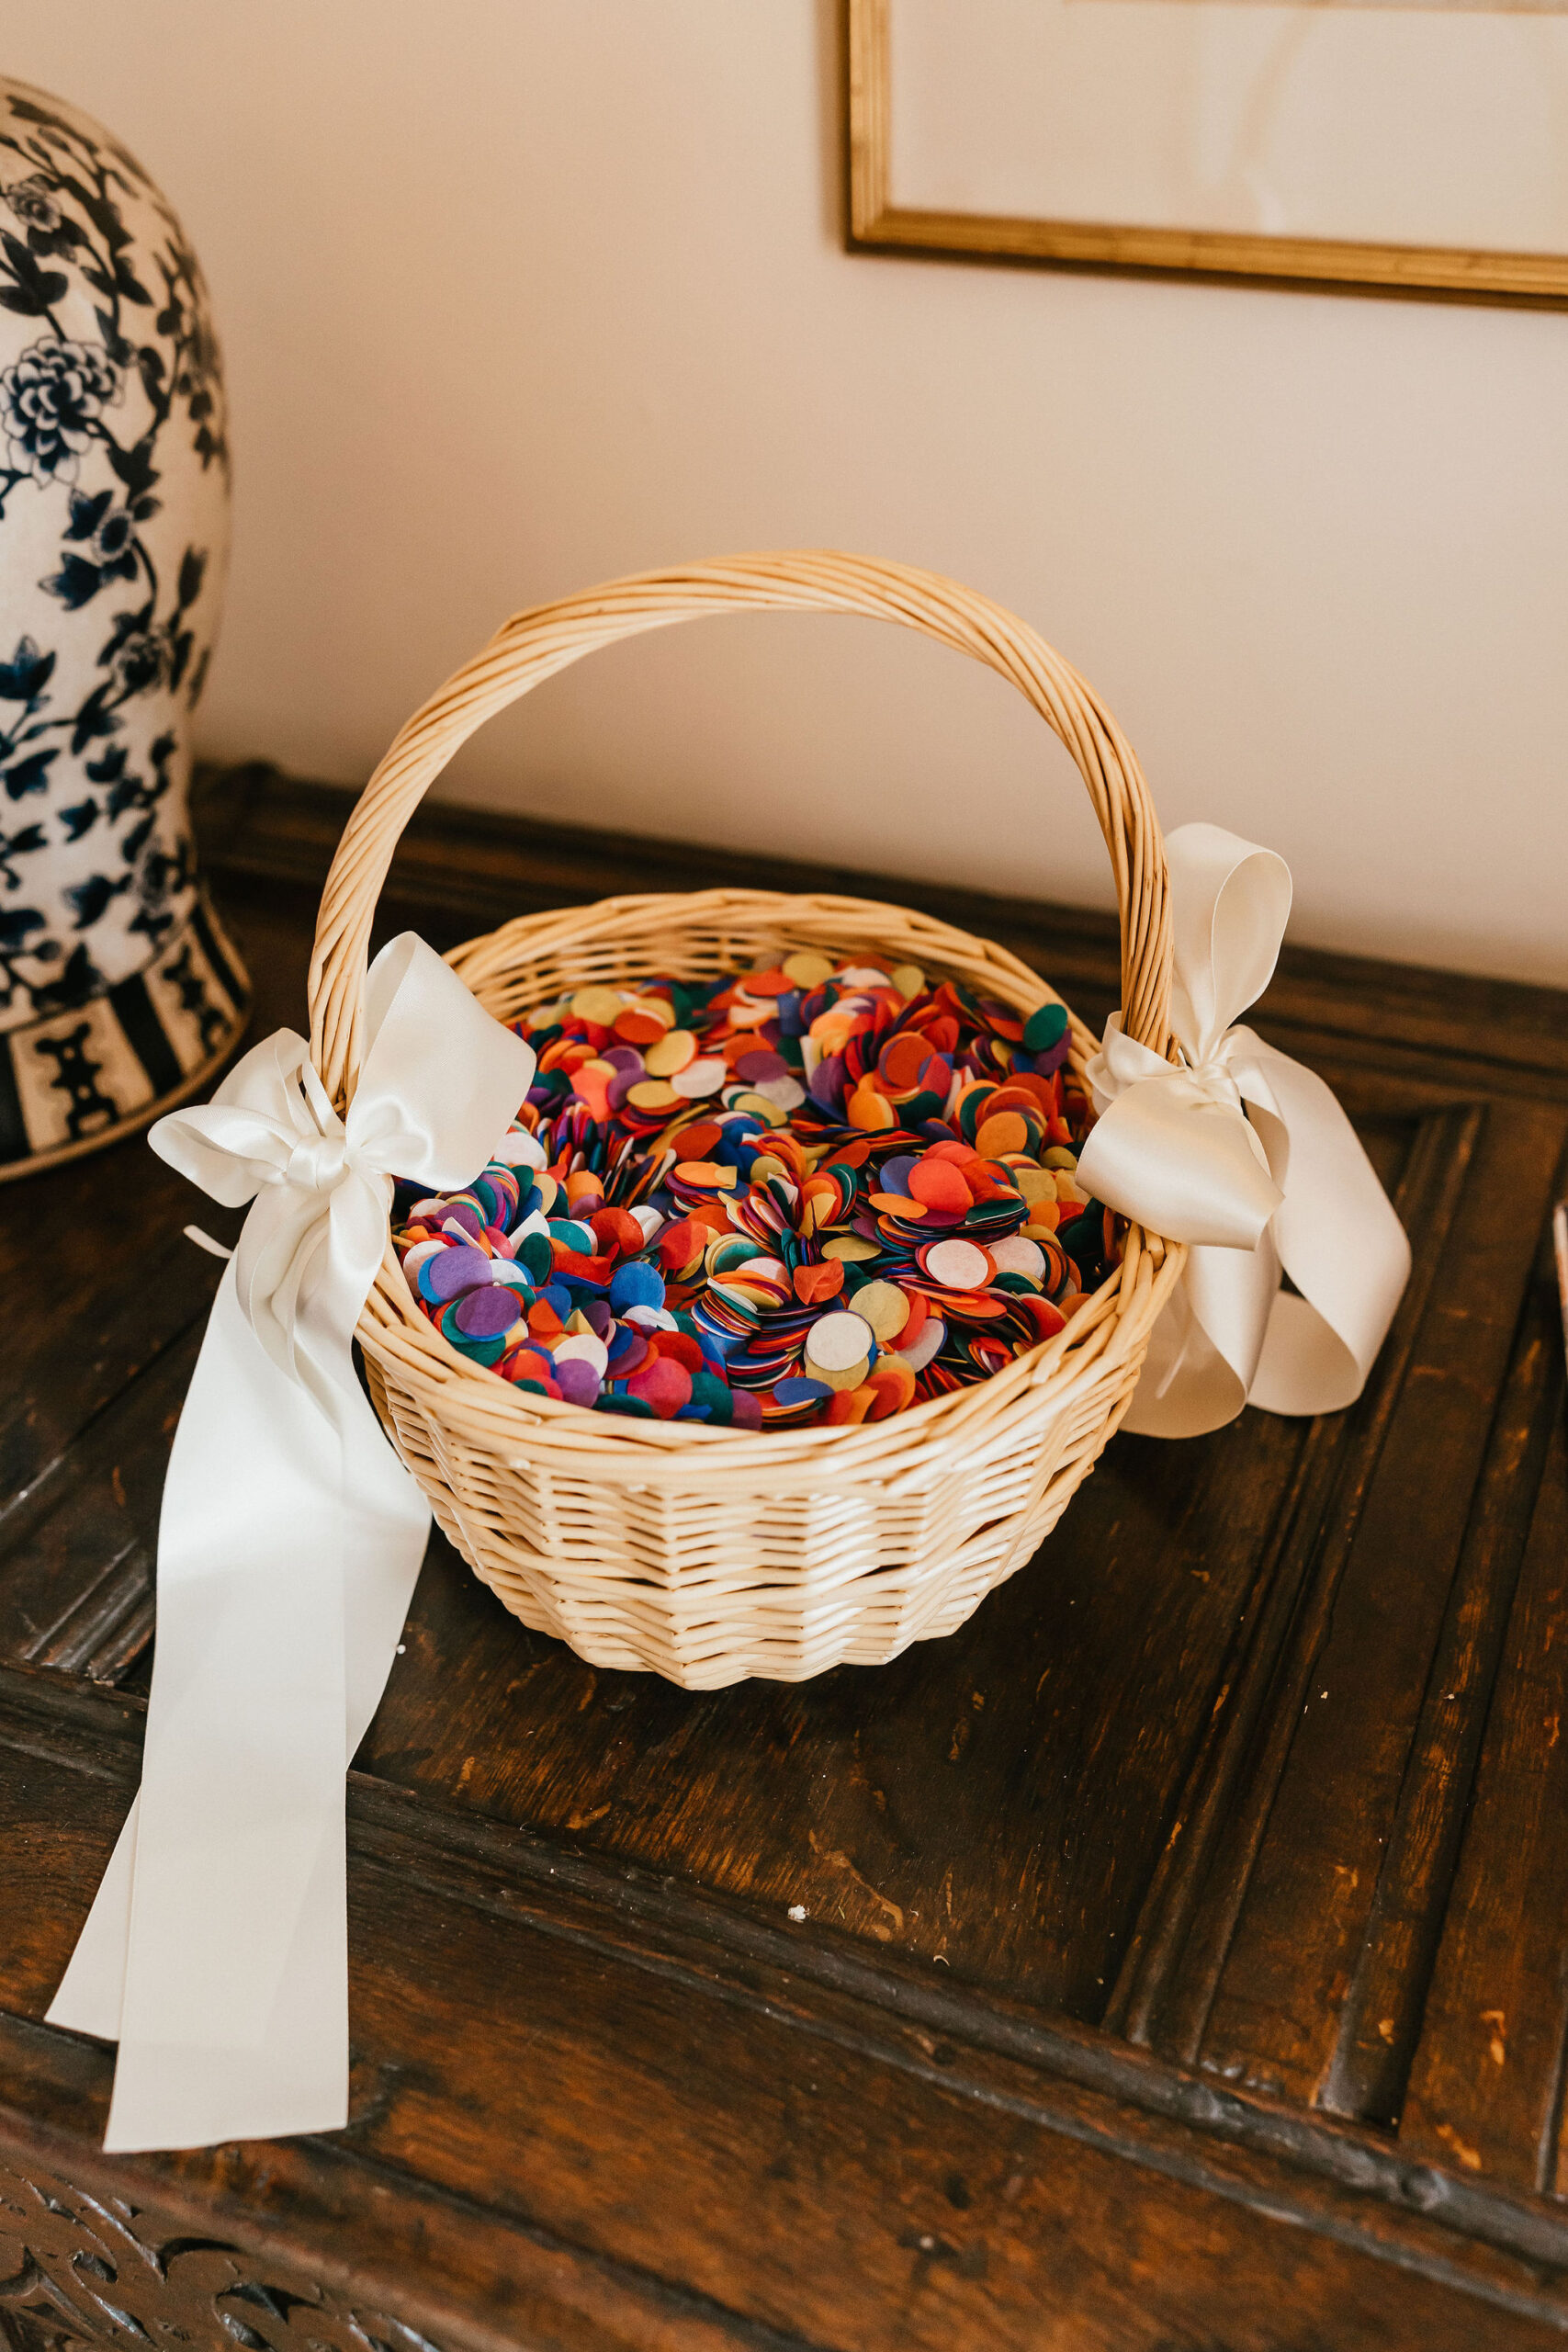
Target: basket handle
{"x": 533, "y": 645}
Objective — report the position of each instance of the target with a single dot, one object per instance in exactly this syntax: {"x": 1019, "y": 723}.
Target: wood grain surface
{"x": 1174, "y": 1959}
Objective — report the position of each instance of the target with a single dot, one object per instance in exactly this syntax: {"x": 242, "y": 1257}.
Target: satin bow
{"x": 289, "y": 1541}
{"x": 1246, "y": 1156}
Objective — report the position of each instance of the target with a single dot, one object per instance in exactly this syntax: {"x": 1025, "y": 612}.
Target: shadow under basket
{"x": 708, "y": 1554}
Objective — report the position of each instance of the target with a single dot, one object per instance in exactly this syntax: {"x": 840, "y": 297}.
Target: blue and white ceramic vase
{"x": 119, "y": 992}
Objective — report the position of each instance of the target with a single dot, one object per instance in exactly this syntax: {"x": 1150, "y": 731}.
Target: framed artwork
{"x": 1411, "y": 146}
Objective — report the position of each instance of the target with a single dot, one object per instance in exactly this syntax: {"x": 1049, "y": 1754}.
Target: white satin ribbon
{"x": 289, "y": 1541}
{"x": 1249, "y": 1158}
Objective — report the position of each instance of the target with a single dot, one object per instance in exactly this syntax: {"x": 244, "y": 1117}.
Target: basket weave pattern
{"x": 709, "y": 1554}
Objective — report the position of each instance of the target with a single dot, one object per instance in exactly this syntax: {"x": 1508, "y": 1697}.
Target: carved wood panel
{"x": 80, "y": 2269}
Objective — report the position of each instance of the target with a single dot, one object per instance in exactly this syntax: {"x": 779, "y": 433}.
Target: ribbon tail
{"x": 91, "y": 1991}
{"x": 383, "y": 1553}
{"x": 1342, "y": 1246}
{"x": 1205, "y": 1348}
{"x": 287, "y": 1551}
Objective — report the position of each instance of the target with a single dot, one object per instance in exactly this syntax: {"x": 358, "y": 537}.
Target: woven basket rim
{"x": 430, "y": 1360}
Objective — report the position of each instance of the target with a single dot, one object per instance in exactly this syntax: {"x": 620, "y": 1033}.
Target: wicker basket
{"x": 709, "y": 1554}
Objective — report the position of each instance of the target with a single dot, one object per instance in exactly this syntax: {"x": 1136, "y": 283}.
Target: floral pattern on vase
{"x": 114, "y": 515}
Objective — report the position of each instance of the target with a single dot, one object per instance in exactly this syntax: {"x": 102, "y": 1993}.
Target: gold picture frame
{"x": 878, "y": 225}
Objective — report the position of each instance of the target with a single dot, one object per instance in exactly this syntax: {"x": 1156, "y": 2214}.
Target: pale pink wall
{"x": 520, "y": 294}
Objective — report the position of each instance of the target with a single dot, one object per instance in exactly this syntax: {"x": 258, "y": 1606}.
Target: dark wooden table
{"x": 1183, "y": 1954}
